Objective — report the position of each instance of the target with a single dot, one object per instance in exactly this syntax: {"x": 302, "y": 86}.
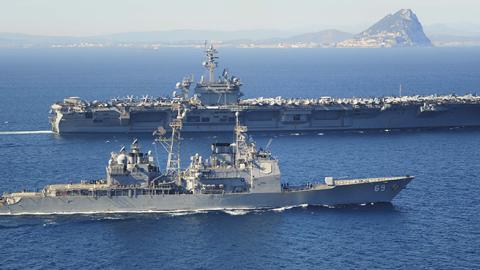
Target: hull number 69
{"x": 379, "y": 188}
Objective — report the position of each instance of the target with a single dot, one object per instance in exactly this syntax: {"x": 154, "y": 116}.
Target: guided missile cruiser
{"x": 214, "y": 101}
{"x": 236, "y": 176}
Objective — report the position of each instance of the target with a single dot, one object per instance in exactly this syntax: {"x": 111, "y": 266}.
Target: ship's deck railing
{"x": 339, "y": 182}
{"x": 117, "y": 191}
{"x": 287, "y": 187}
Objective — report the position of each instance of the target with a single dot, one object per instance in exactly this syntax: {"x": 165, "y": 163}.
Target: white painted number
{"x": 379, "y": 188}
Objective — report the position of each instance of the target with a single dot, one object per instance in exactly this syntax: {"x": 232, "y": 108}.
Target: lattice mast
{"x": 172, "y": 144}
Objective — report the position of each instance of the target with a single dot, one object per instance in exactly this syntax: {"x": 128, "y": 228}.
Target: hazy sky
{"x": 91, "y": 17}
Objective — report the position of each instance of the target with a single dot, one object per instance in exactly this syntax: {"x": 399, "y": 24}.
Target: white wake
{"x": 26, "y": 132}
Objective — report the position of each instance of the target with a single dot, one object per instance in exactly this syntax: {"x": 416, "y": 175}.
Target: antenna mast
{"x": 172, "y": 144}
{"x": 210, "y": 62}
{"x": 240, "y": 140}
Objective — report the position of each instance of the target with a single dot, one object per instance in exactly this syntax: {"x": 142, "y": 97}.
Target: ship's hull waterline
{"x": 360, "y": 193}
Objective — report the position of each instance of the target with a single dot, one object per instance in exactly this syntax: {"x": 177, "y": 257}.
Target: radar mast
{"x": 240, "y": 141}
{"x": 210, "y": 62}
{"x": 172, "y": 144}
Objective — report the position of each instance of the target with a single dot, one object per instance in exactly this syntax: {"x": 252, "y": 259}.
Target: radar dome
{"x": 121, "y": 159}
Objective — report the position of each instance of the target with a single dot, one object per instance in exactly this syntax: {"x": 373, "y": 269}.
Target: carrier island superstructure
{"x": 236, "y": 176}
{"x": 215, "y": 100}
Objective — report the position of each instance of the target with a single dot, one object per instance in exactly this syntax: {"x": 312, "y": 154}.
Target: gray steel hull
{"x": 331, "y": 195}
{"x": 270, "y": 119}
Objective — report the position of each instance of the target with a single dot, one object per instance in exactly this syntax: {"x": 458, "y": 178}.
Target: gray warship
{"x": 235, "y": 176}
{"x": 215, "y": 101}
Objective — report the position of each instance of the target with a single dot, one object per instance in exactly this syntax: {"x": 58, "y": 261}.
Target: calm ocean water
{"x": 434, "y": 224}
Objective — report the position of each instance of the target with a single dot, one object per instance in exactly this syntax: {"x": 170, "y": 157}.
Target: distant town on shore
{"x": 401, "y": 29}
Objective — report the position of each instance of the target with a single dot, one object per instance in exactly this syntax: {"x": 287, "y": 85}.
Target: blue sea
{"x": 433, "y": 224}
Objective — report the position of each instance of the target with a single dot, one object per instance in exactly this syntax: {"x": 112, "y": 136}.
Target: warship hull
{"x": 357, "y": 192}
{"x": 274, "y": 118}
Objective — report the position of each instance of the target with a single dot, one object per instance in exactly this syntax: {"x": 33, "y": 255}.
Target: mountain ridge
{"x": 401, "y": 29}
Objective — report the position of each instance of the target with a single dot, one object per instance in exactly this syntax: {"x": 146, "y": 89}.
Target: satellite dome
{"x": 121, "y": 159}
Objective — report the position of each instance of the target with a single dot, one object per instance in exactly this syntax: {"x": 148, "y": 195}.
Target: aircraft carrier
{"x": 215, "y": 100}
{"x": 236, "y": 176}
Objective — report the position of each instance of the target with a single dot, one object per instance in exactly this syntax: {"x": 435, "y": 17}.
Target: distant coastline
{"x": 437, "y": 41}
{"x": 401, "y": 29}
